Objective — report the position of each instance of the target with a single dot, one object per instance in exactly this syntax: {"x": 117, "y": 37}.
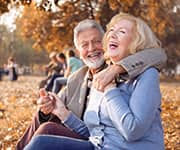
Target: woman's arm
{"x": 134, "y": 118}
{"x": 67, "y": 117}
{"x": 77, "y": 125}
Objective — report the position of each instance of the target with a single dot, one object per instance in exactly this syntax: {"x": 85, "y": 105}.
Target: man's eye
{"x": 84, "y": 45}
{"x": 97, "y": 41}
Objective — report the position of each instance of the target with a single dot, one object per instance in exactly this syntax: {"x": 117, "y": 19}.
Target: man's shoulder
{"x": 80, "y": 73}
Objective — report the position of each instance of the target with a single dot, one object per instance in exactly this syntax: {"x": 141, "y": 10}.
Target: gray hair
{"x": 84, "y": 25}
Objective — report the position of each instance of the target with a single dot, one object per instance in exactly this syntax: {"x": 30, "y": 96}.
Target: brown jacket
{"x": 74, "y": 94}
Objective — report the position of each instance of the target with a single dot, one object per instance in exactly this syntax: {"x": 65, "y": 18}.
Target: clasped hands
{"x": 49, "y": 102}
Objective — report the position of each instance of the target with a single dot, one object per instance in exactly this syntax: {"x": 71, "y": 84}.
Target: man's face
{"x": 90, "y": 48}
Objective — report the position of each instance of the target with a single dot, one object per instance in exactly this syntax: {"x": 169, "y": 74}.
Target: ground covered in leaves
{"x": 17, "y": 105}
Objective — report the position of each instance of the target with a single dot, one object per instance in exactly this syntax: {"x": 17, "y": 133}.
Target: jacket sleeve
{"x": 63, "y": 94}
{"x": 133, "y": 118}
{"x": 137, "y": 63}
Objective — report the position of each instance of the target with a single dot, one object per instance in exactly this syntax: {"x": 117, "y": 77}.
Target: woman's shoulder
{"x": 150, "y": 71}
{"x": 149, "y": 75}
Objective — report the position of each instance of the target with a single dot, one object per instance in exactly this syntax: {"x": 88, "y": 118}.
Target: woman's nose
{"x": 113, "y": 34}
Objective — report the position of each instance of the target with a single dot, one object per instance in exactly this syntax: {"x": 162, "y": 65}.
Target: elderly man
{"x": 88, "y": 40}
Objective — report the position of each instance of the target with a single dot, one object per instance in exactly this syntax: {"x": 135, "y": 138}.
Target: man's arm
{"x": 131, "y": 66}
{"x": 137, "y": 63}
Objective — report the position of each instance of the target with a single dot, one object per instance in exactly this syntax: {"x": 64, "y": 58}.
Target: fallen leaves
{"x": 16, "y": 109}
{"x": 171, "y": 115}
{"x": 17, "y": 105}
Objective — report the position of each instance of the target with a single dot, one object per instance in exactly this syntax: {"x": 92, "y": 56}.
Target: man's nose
{"x": 91, "y": 46}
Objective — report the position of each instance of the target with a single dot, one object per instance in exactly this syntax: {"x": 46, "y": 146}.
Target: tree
{"x": 53, "y": 31}
{"x": 4, "y": 4}
{"x": 51, "y": 22}
{"x": 13, "y": 45}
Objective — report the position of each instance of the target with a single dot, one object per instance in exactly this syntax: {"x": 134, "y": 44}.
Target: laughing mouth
{"x": 113, "y": 45}
{"x": 94, "y": 55}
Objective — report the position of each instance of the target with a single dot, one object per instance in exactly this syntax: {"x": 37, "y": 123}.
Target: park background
{"x": 31, "y": 29}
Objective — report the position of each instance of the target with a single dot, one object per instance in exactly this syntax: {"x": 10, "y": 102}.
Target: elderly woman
{"x": 127, "y": 114}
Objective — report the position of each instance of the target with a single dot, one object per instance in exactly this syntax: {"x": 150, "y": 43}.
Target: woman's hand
{"x": 60, "y": 109}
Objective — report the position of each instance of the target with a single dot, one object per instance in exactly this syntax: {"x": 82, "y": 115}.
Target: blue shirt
{"x": 74, "y": 64}
{"x": 126, "y": 117}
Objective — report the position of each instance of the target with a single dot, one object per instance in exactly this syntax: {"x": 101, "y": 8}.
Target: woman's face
{"x": 119, "y": 37}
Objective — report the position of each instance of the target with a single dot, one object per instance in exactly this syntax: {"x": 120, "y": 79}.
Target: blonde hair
{"x": 143, "y": 35}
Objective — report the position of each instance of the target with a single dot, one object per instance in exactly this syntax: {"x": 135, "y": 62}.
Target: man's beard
{"x": 94, "y": 64}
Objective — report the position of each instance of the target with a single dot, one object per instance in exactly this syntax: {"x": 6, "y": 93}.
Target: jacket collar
{"x": 88, "y": 78}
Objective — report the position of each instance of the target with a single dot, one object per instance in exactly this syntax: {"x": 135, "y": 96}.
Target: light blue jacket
{"x": 126, "y": 117}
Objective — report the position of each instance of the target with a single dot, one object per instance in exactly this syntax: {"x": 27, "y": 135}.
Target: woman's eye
{"x": 110, "y": 31}
{"x": 121, "y": 31}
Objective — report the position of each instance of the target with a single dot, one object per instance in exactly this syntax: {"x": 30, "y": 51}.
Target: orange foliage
{"x": 53, "y": 31}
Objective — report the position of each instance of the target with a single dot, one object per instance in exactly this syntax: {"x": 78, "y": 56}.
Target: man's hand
{"x": 60, "y": 109}
{"x": 110, "y": 85}
{"x": 45, "y": 102}
{"x": 106, "y": 76}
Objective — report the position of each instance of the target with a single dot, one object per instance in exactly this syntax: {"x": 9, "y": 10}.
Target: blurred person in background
{"x": 73, "y": 64}
{"x": 62, "y": 59}
{"x": 11, "y": 69}
{"x": 54, "y": 69}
